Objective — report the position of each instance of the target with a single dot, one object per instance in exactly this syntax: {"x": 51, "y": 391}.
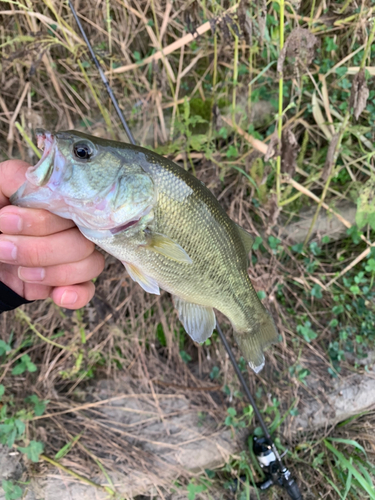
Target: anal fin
{"x": 199, "y": 321}
{"x": 148, "y": 284}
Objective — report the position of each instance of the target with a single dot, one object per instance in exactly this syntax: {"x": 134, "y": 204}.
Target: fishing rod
{"x": 264, "y": 448}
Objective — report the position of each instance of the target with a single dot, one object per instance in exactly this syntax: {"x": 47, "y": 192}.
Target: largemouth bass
{"x": 161, "y": 222}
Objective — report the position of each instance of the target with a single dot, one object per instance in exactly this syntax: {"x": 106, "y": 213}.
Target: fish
{"x": 162, "y": 223}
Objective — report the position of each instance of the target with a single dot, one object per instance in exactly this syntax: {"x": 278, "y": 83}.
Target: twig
{"x": 360, "y": 257}
{"x": 256, "y": 143}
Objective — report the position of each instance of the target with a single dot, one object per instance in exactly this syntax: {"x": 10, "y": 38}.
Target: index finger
{"x": 31, "y": 221}
{"x": 12, "y": 176}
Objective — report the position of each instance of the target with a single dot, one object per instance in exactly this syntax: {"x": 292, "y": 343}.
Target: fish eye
{"x": 83, "y": 151}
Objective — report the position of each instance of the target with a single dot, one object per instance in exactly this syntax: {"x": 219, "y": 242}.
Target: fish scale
{"x": 164, "y": 225}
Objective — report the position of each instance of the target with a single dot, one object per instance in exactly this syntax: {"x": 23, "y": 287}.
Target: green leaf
{"x": 215, "y": 372}
{"x": 39, "y": 406}
{"x": 350, "y": 442}
{"x": 307, "y": 333}
{"x": 19, "y": 368}
{"x": 316, "y": 291}
{"x": 354, "y": 233}
{"x": 231, "y": 411}
{"x": 258, "y": 241}
{"x": 232, "y": 152}
{"x": 185, "y": 356}
{"x": 4, "y": 347}
{"x": 2, "y": 390}
{"x": 370, "y": 268}
{"x": 194, "y": 489}
{"x": 197, "y": 141}
{"x": 345, "y": 463}
{"x": 20, "y": 426}
{"x": 355, "y": 289}
{"x": 12, "y": 491}
{"x": 25, "y": 363}
{"x": 315, "y": 248}
{"x": 11, "y": 437}
{"x": 338, "y": 309}
{"x": 228, "y": 421}
{"x": 298, "y": 248}
{"x": 65, "y": 449}
{"x": 273, "y": 242}
{"x": 341, "y": 71}
{"x": 33, "y": 451}
{"x": 223, "y": 133}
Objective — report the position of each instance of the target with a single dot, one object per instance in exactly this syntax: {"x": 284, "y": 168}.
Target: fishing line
{"x": 264, "y": 448}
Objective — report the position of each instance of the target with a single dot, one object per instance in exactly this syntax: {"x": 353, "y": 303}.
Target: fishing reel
{"x": 275, "y": 473}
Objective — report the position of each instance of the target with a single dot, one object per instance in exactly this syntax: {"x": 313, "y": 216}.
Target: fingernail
{"x": 8, "y": 251}
{"x": 31, "y": 274}
{"x": 69, "y": 298}
{"x": 11, "y": 223}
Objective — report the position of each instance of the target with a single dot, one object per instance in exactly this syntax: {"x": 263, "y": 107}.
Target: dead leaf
{"x": 331, "y": 157}
{"x": 244, "y": 21}
{"x": 289, "y": 151}
{"x": 300, "y": 46}
{"x": 191, "y": 17}
{"x": 273, "y": 212}
{"x": 273, "y": 147}
{"x": 359, "y": 93}
{"x": 319, "y": 118}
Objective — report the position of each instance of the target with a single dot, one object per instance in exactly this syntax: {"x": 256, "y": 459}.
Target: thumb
{"x": 12, "y": 176}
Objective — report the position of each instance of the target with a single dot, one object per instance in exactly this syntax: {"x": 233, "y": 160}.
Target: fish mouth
{"x": 38, "y": 175}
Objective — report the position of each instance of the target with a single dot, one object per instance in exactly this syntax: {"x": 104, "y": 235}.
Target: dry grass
{"x": 47, "y": 79}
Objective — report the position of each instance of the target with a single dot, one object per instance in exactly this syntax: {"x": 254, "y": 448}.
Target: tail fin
{"x": 257, "y": 338}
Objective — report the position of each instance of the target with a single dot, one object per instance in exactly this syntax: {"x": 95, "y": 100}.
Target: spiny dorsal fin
{"x": 163, "y": 245}
{"x": 246, "y": 238}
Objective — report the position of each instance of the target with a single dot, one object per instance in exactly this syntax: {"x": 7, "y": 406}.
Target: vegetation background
{"x": 272, "y": 106}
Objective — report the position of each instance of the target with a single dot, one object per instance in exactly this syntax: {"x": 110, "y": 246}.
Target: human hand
{"x": 41, "y": 254}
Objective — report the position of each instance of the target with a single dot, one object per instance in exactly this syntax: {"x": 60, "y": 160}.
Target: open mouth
{"x": 40, "y": 174}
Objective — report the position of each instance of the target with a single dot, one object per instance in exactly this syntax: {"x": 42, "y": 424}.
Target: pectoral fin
{"x": 146, "y": 282}
{"x": 164, "y": 245}
{"x": 199, "y": 321}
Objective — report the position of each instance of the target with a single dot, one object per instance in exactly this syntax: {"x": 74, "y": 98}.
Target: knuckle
{"x": 34, "y": 253}
{"x": 99, "y": 261}
{"x": 65, "y": 277}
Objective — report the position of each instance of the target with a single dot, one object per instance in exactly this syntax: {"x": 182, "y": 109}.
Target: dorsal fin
{"x": 246, "y": 238}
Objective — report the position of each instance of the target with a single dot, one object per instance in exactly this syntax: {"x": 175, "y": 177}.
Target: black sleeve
{"x": 10, "y": 300}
